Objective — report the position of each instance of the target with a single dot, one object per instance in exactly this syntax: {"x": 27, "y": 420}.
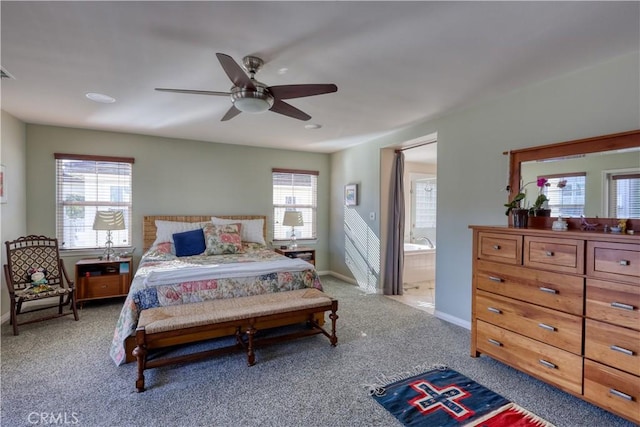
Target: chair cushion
{"x": 29, "y": 295}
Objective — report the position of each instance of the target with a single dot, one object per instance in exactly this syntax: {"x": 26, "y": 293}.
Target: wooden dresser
{"x": 563, "y": 307}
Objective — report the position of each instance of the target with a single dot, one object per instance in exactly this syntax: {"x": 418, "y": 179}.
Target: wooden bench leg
{"x": 251, "y": 357}
{"x": 140, "y": 353}
{"x": 333, "y": 316}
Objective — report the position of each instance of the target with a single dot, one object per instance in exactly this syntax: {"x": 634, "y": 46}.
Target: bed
{"x": 166, "y": 276}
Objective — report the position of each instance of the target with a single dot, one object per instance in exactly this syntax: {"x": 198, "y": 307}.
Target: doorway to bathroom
{"x": 420, "y": 196}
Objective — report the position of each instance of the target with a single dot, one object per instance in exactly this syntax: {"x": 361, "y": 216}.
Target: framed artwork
{"x": 351, "y": 195}
{"x": 3, "y": 185}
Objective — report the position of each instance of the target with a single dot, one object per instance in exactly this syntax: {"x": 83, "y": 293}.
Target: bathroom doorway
{"x": 420, "y": 184}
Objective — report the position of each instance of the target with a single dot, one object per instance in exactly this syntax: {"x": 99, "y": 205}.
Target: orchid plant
{"x": 537, "y": 204}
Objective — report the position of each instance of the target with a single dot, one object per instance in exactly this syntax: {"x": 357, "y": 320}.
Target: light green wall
{"x": 472, "y": 172}
{"x": 13, "y": 220}
{"x": 173, "y": 177}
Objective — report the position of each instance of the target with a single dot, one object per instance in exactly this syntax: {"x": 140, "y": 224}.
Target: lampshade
{"x": 109, "y": 220}
{"x": 293, "y": 219}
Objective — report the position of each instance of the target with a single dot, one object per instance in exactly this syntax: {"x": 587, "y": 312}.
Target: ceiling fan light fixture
{"x": 250, "y": 101}
{"x": 252, "y": 105}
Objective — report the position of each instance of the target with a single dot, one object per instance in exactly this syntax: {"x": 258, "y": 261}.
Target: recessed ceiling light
{"x": 100, "y": 97}
{"x": 313, "y": 126}
{"x": 283, "y": 70}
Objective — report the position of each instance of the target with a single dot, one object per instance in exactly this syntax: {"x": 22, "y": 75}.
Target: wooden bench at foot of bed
{"x": 162, "y": 327}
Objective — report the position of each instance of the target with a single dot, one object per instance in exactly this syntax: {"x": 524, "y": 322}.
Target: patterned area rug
{"x": 443, "y": 397}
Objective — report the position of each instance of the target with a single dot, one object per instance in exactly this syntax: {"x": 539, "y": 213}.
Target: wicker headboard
{"x": 149, "y": 224}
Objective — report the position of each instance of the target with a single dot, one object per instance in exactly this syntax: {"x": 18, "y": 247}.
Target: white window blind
{"x": 624, "y": 195}
{"x": 295, "y": 190}
{"x": 85, "y": 184}
{"x": 566, "y": 194}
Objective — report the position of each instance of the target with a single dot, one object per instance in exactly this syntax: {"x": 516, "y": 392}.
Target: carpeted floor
{"x": 60, "y": 371}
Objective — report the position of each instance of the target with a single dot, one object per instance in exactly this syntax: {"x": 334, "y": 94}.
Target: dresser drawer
{"x": 554, "y": 290}
{"x": 551, "y": 327}
{"x": 563, "y": 255}
{"x": 612, "y": 389}
{"x": 613, "y": 345}
{"x": 615, "y": 261}
{"x": 106, "y": 286}
{"x": 500, "y": 247}
{"x": 616, "y": 303}
{"x": 555, "y": 366}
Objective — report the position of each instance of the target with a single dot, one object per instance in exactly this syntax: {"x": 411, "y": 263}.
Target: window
{"x": 85, "y": 184}
{"x": 426, "y": 191}
{"x": 623, "y": 190}
{"x": 566, "y": 194}
{"x": 295, "y": 190}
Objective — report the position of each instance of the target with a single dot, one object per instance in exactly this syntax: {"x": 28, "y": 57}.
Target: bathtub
{"x": 419, "y": 264}
{"x": 415, "y": 247}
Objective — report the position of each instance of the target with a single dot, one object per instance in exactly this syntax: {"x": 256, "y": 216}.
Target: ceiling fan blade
{"x": 282, "y": 107}
{"x": 196, "y": 92}
{"x": 299, "y": 91}
{"x": 233, "y": 111}
{"x": 235, "y": 72}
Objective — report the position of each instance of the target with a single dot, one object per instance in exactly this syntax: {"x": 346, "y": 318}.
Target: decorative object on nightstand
{"x": 109, "y": 220}
{"x": 293, "y": 219}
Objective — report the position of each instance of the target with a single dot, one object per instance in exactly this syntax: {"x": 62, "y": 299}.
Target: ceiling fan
{"x": 251, "y": 96}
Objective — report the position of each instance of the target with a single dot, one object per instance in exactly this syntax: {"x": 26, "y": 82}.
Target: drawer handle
{"x": 547, "y": 364}
{"x": 496, "y": 247}
{"x": 622, "y": 306}
{"x": 494, "y": 310}
{"x": 620, "y": 394}
{"x": 548, "y": 290}
{"x": 494, "y": 342}
{"x": 547, "y": 327}
{"x": 495, "y": 279}
{"x": 549, "y": 253}
{"x": 622, "y": 350}
{"x": 625, "y": 262}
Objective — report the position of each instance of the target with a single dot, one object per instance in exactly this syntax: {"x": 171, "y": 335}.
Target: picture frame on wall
{"x": 3, "y": 185}
{"x": 351, "y": 195}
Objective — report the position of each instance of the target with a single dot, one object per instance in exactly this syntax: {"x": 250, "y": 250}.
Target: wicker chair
{"x": 37, "y": 254}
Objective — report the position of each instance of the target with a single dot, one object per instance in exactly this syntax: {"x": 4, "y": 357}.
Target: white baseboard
{"x": 452, "y": 319}
{"x": 340, "y": 276}
{"x": 5, "y": 317}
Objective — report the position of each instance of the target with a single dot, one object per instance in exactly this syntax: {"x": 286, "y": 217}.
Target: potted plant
{"x": 520, "y": 215}
{"x": 537, "y": 208}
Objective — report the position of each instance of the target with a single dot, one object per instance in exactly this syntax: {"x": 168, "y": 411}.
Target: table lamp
{"x": 109, "y": 220}
{"x": 293, "y": 219}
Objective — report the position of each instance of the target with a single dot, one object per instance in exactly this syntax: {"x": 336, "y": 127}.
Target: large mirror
{"x": 592, "y": 174}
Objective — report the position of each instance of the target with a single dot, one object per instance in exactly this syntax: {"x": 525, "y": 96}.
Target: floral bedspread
{"x": 141, "y": 296}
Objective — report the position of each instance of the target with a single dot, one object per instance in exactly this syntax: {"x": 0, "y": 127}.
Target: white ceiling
{"x": 395, "y": 64}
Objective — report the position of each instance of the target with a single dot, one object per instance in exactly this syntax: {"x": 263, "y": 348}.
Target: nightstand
{"x": 302, "y": 252}
{"x": 98, "y": 279}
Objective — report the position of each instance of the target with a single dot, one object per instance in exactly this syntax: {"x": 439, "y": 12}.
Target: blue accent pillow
{"x": 189, "y": 243}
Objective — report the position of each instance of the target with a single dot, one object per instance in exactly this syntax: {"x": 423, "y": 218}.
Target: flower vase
{"x": 520, "y": 218}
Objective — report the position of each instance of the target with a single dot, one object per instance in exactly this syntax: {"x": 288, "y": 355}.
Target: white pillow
{"x": 251, "y": 230}
{"x": 166, "y": 229}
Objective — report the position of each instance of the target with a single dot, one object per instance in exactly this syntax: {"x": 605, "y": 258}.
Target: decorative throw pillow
{"x": 222, "y": 239}
{"x": 166, "y": 229}
{"x": 163, "y": 248}
{"x": 189, "y": 243}
{"x": 252, "y": 229}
